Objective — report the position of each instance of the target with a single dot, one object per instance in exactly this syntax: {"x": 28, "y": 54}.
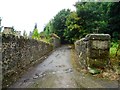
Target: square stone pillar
{"x": 98, "y": 50}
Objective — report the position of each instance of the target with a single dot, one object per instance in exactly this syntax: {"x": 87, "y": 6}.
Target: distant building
{"x": 8, "y": 30}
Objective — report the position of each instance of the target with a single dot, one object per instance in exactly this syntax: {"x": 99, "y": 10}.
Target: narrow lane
{"x": 57, "y": 71}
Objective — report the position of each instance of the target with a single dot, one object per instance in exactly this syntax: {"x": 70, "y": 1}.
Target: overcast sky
{"x": 23, "y": 14}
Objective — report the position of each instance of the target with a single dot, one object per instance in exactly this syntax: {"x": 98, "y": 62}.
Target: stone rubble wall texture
{"x": 93, "y": 50}
{"x": 19, "y": 54}
{"x": 56, "y": 42}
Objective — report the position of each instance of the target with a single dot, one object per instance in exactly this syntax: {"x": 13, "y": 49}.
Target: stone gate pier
{"x": 93, "y": 50}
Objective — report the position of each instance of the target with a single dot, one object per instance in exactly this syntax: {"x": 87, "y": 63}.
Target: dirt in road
{"x": 58, "y": 71}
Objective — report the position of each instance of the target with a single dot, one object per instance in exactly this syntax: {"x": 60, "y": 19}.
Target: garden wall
{"x": 55, "y": 41}
{"x": 19, "y": 54}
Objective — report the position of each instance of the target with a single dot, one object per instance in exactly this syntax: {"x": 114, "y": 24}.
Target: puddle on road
{"x": 56, "y": 55}
{"x": 43, "y": 76}
{"x": 60, "y": 66}
{"x": 47, "y": 81}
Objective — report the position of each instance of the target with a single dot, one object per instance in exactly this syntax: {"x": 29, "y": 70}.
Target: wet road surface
{"x": 56, "y": 71}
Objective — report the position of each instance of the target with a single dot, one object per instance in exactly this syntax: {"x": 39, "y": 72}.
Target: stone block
{"x": 94, "y": 50}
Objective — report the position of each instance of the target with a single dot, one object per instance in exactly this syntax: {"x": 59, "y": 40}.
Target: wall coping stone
{"x": 98, "y": 37}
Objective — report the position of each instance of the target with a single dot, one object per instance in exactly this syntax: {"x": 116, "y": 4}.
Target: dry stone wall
{"x": 19, "y": 54}
{"x": 93, "y": 50}
{"x": 55, "y": 41}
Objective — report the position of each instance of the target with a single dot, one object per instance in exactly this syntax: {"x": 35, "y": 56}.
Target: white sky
{"x": 23, "y": 14}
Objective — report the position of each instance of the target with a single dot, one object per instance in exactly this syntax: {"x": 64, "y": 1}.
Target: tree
{"x": 48, "y": 30}
{"x": 88, "y": 18}
{"x": 24, "y": 34}
{"x": 73, "y": 27}
{"x": 35, "y": 34}
{"x": 94, "y": 16}
{"x": 114, "y": 20}
{"x": 59, "y": 23}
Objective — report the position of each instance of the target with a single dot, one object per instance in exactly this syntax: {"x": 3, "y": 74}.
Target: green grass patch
{"x": 113, "y": 49}
{"x": 115, "y": 60}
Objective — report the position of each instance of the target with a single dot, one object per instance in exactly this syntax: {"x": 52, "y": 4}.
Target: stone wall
{"x": 81, "y": 49}
{"x": 55, "y": 41}
{"x": 19, "y": 54}
{"x": 93, "y": 50}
